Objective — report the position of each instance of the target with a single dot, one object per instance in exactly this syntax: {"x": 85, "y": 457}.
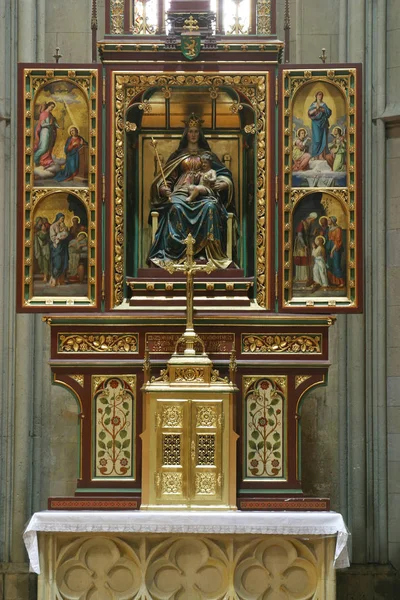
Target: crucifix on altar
{"x": 189, "y": 267}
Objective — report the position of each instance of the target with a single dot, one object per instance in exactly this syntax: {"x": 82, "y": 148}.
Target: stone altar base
{"x": 154, "y": 556}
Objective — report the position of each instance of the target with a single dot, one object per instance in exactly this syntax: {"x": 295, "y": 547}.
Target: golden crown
{"x": 194, "y": 121}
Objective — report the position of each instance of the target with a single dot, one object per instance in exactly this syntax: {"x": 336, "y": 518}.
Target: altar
{"x": 236, "y": 555}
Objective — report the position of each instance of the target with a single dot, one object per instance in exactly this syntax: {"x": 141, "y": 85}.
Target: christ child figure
{"x": 320, "y": 274}
{"x": 207, "y": 178}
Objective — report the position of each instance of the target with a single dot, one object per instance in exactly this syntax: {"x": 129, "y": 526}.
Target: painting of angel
{"x": 60, "y": 151}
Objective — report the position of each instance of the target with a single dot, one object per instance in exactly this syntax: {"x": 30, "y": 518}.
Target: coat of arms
{"x": 191, "y": 39}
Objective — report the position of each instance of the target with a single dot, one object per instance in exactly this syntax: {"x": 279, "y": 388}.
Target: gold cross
{"x": 191, "y": 24}
{"x": 189, "y": 267}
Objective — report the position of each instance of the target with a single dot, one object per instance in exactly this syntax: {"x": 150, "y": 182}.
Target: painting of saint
{"x": 319, "y": 149}
{"x": 42, "y": 246}
{"x": 72, "y": 150}
{"x": 60, "y": 132}
{"x": 338, "y": 150}
{"x": 335, "y": 251}
{"x": 320, "y": 275}
{"x": 60, "y": 246}
{"x": 301, "y": 155}
{"x": 192, "y": 195}
{"x": 319, "y": 113}
{"x": 302, "y": 253}
{"x": 319, "y": 247}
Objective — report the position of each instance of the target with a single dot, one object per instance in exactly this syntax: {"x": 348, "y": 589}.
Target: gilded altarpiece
{"x": 288, "y": 142}
{"x": 59, "y": 181}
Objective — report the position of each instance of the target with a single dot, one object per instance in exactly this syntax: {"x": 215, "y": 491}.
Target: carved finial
{"x": 286, "y": 22}
{"x": 323, "y": 56}
{"x": 94, "y": 23}
{"x": 147, "y": 364}
{"x": 286, "y": 27}
{"x": 57, "y": 55}
{"x": 191, "y": 24}
{"x": 232, "y": 365}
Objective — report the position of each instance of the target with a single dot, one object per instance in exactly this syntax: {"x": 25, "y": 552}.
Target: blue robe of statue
{"x": 205, "y": 217}
{"x": 320, "y": 128}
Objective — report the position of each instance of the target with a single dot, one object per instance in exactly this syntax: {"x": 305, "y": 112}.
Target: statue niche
{"x": 200, "y": 181}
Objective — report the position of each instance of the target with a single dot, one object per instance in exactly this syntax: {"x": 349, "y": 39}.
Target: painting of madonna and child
{"x": 319, "y": 147}
{"x": 60, "y": 247}
{"x": 319, "y": 247}
{"x": 60, "y": 148}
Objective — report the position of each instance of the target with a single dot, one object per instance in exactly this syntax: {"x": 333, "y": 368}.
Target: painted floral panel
{"x": 265, "y": 414}
{"x": 114, "y": 405}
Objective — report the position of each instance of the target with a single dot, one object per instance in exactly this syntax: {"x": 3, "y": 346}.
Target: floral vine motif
{"x": 129, "y": 88}
{"x": 264, "y": 407}
{"x": 279, "y": 344}
{"x": 114, "y": 403}
{"x": 118, "y": 343}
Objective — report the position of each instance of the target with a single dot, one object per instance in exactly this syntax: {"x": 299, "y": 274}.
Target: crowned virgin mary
{"x": 203, "y": 214}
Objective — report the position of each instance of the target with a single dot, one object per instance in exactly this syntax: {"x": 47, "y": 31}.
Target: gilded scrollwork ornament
{"x": 282, "y": 344}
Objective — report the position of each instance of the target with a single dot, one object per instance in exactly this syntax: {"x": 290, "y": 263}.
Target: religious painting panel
{"x": 320, "y": 209}
{"x": 58, "y": 187}
{"x": 189, "y": 156}
{"x": 60, "y": 250}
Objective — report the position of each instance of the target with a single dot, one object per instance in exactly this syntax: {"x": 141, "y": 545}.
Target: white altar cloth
{"x": 196, "y": 522}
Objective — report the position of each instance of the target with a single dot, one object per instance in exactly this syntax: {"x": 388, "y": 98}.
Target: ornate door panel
{"x": 173, "y": 442}
{"x": 206, "y": 450}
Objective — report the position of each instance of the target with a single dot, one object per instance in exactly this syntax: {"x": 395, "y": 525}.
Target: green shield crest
{"x": 190, "y": 46}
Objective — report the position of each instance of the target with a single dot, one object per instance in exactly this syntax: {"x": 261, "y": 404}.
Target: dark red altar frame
{"x": 303, "y": 368}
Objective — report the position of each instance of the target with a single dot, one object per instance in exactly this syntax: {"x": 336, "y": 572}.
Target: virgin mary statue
{"x": 204, "y": 213}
